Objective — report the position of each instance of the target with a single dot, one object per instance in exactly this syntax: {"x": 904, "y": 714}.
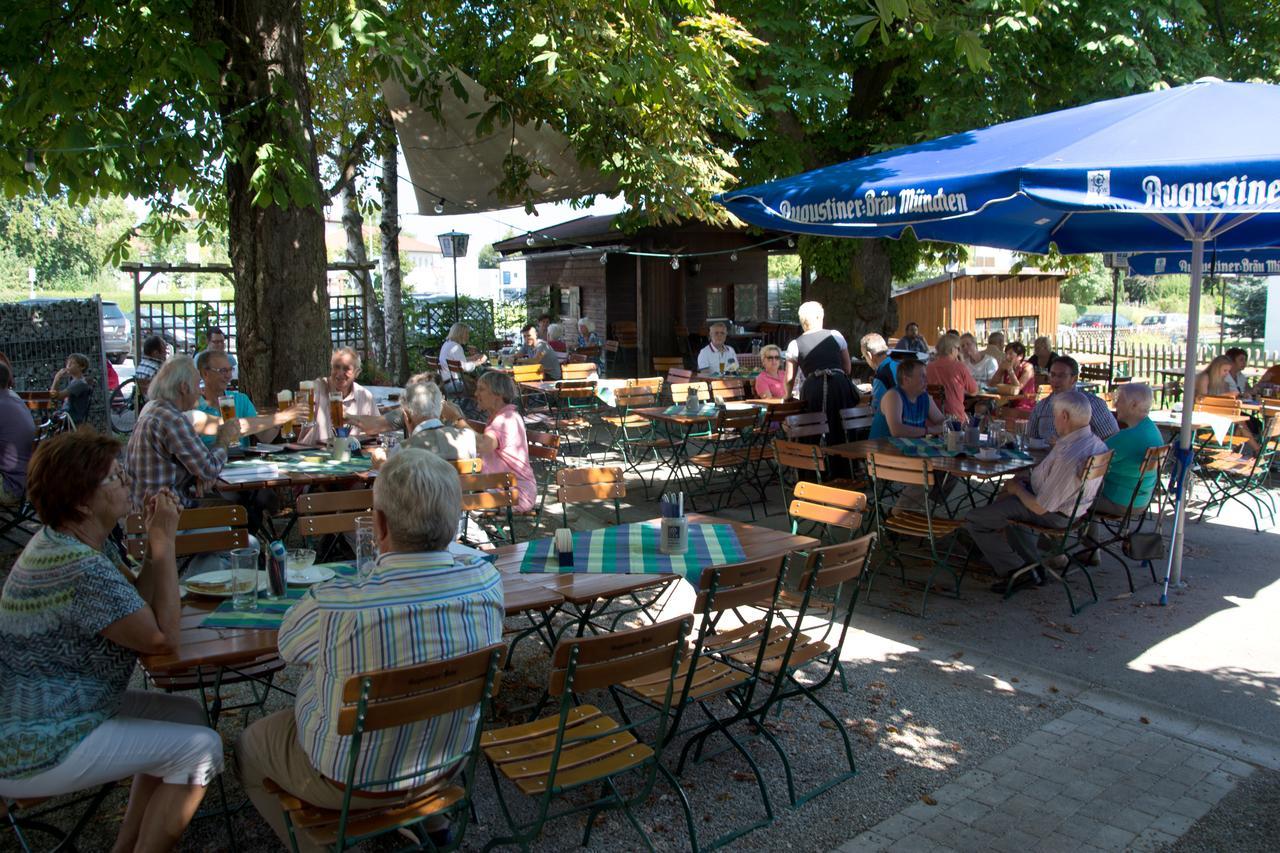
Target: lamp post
{"x": 454, "y": 245}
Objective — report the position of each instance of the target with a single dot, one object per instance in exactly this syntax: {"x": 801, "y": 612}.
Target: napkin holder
{"x": 563, "y": 542}
{"x": 673, "y": 535}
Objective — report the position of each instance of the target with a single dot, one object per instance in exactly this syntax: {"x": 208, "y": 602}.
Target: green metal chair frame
{"x": 889, "y": 470}
{"x": 714, "y": 667}
{"x": 591, "y": 485}
{"x": 27, "y": 815}
{"x": 733, "y": 438}
{"x": 1121, "y": 527}
{"x": 374, "y": 701}
{"x": 487, "y": 497}
{"x": 1070, "y": 541}
{"x": 1231, "y": 477}
{"x": 593, "y": 748}
{"x": 831, "y": 574}
{"x": 634, "y": 437}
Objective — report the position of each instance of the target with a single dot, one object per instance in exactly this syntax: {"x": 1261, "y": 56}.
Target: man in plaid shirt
{"x": 164, "y": 450}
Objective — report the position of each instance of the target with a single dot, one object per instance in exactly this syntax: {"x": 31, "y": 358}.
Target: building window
{"x": 566, "y": 302}
{"x": 1024, "y": 329}
{"x": 745, "y": 305}
{"x": 717, "y": 303}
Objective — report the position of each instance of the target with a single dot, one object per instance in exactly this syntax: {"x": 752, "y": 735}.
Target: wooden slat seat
{"x": 917, "y": 523}
{"x": 711, "y": 678}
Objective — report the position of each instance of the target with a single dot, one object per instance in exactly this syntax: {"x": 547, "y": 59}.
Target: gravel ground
{"x": 1247, "y": 819}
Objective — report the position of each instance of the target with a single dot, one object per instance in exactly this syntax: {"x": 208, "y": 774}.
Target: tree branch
{"x": 347, "y": 168}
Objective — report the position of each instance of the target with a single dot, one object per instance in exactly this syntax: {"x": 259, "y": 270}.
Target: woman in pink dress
{"x": 771, "y": 382}
{"x": 1019, "y": 372}
{"x": 503, "y": 444}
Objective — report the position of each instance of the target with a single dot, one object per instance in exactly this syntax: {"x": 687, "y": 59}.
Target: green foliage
{"x": 1250, "y": 296}
{"x": 1067, "y": 313}
{"x": 1092, "y": 284}
{"x": 488, "y": 258}
{"x": 66, "y": 243}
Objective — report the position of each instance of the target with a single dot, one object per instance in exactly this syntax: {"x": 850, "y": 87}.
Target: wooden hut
{"x": 1022, "y": 305}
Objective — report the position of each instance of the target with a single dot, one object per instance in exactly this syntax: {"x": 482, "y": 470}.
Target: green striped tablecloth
{"x": 633, "y": 549}
{"x": 928, "y": 447}
{"x": 270, "y": 613}
{"x": 709, "y": 410}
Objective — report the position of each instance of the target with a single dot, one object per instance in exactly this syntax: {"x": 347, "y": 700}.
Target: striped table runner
{"x": 633, "y": 549}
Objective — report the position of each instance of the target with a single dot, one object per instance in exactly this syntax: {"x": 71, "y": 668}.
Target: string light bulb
{"x": 30, "y": 165}
{"x": 733, "y": 256}
{"x": 675, "y": 262}
{"x": 528, "y": 241}
{"x": 604, "y": 258}
{"x": 440, "y": 206}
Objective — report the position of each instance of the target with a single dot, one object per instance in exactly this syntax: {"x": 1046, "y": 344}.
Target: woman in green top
{"x": 1130, "y": 445}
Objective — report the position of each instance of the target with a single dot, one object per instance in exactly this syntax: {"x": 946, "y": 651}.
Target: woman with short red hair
{"x": 73, "y": 621}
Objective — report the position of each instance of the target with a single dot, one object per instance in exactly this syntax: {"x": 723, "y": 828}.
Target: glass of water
{"x": 244, "y": 579}
{"x": 366, "y": 546}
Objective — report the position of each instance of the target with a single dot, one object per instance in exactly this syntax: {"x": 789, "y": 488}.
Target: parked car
{"x": 1102, "y": 321}
{"x": 117, "y": 333}
{"x": 172, "y": 329}
{"x": 1168, "y": 323}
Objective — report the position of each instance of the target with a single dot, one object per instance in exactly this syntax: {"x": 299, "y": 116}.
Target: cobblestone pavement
{"x": 1085, "y": 781}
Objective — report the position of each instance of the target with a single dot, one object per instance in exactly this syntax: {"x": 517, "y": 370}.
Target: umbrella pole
{"x": 1186, "y": 434}
{"x": 1115, "y": 304}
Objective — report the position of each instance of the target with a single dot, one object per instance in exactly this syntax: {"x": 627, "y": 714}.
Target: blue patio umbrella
{"x": 1261, "y": 262}
{"x": 1171, "y": 170}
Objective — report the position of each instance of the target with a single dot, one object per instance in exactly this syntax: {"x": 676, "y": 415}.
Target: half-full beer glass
{"x": 288, "y": 430}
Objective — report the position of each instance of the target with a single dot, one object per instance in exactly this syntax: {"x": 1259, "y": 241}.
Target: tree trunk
{"x": 854, "y": 287}
{"x": 353, "y": 225}
{"x": 277, "y": 252}
{"x": 397, "y": 354}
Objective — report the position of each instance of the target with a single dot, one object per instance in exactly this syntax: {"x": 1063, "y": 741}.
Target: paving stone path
{"x": 1085, "y": 781}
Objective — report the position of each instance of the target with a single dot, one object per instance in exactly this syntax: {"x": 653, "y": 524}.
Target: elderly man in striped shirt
{"x": 1047, "y": 497}
{"x": 417, "y": 606}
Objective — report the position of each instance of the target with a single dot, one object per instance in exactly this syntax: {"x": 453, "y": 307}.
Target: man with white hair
{"x": 1046, "y": 497}
{"x": 422, "y": 403}
{"x": 717, "y": 356}
{"x": 344, "y": 367}
{"x": 447, "y": 606}
{"x": 164, "y": 451}
{"x": 995, "y": 346}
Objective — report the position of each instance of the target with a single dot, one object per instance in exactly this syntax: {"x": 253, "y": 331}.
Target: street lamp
{"x": 454, "y": 245}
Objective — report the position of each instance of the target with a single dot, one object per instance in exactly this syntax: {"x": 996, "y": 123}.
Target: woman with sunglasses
{"x": 771, "y": 382}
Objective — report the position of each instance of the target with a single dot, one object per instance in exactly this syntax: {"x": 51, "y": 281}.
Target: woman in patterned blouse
{"x": 73, "y": 621}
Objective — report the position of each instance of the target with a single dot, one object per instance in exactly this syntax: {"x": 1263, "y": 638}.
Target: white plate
{"x": 220, "y": 584}
{"x": 309, "y": 575}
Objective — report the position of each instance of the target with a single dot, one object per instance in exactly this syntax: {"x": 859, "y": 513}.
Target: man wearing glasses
{"x": 215, "y": 373}
{"x": 1063, "y": 372}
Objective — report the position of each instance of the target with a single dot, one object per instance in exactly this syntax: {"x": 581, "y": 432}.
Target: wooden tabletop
{"x": 213, "y": 647}
{"x": 967, "y": 466}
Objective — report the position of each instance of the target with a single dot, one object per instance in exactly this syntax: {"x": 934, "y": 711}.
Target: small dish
{"x": 988, "y": 454}
{"x": 308, "y": 576}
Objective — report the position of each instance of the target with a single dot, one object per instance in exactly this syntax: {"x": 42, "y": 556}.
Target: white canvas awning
{"x": 447, "y": 161}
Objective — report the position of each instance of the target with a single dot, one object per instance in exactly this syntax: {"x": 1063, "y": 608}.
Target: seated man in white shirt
{"x": 717, "y": 356}
{"x": 422, "y": 404}
{"x": 1046, "y": 498}
{"x": 344, "y": 367}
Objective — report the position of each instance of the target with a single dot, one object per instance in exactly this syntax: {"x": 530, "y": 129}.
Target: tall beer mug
{"x": 307, "y": 397}
{"x": 227, "y": 408}
{"x": 336, "y": 414}
{"x": 288, "y": 430}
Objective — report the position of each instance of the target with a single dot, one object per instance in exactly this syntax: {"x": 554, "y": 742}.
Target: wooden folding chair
{"x": 729, "y": 462}
{"x": 449, "y": 690}
{"x": 575, "y": 407}
{"x": 467, "y": 466}
{"x": 609, "y": 357}
{"x": 652, "y": 384}
{"x": 795, "y": 461}
{"x": 723, "y": 663}
{"x": 580, "y": 370}
{"x": 580, "y": 746}
{"x": 634, "y": 437}
{"x": 1070, "y": 541}
{"x": 727, "y": 390}
{"x": 544, "y": 458}
{"x": 680, "y": 391}
{"x": 1228, "y": 476}
{"x": 934, "y": 538}
{"x": 828, "y": 587}
{"x": 533, "y": 404}
{"x": 489, "y": 497}
{"x": 806, "y": 425}
{"x": 590, "y": 485}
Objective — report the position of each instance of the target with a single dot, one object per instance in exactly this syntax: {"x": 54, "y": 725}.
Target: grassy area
{"x": 123, "y": 296}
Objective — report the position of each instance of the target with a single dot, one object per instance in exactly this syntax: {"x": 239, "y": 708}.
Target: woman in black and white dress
{"x": 821, "y": 359}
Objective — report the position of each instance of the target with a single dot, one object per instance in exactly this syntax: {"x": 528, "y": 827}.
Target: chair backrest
{"x": 899, "y": 469}
{"x": 776, "y": 413}
{"x": 468, "y": 466}
{"x": 679, "y": 374}
{"x": 588, "y": 352}
{"x": 857, "y": 418}
{"x": 589, "y": 485}
{"x": 663, "y": 363}
{"x": 595, "y": 663}
{"x": 827, "y": 505}
{"x": 576, "y": 389}
{"x": 526, "y": 373}
{"x": 805, "y": 425}
{"x": 938, "y": 394}
{"x": 575, "y": 358}
{"x": 583, "y": 370}
{"x": 652, "y": 383}
{"x": 737, "y": 422}
{"x": 639, "y": 397}
{"x": 1095, "y": 373}
{"x": 680, "y": 391}
{"x": 728, "y": 389}
{"x": 410, "y": 694}
{"x": 831, "y": 566}
{"x": 625, "y": 332}
{"x": 190, "y": 544}
{"x": 611, "y": 347}
{"x": 752, "y": 582}
{"x": 543, "y": 446}
{"x": 323, "y": 513}
{"x": 799, "y": 455}
{"x": 1229, "y": 406}
{"x": 454, "y": 365}
{"x": 488, "y": 491}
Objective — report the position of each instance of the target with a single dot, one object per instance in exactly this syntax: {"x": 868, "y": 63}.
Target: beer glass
{"x": 227, "y": 407}
{"x": 288, "y": 430}
{"x": 244, "y": 579}
{"x": 307, "y": 397}
{"x": 335, "y": 413}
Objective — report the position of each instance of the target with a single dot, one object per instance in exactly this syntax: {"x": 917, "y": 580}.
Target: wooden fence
{"x": 1146, "y": 360}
